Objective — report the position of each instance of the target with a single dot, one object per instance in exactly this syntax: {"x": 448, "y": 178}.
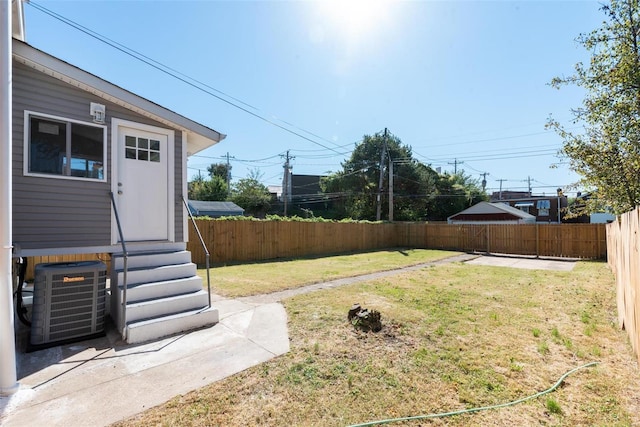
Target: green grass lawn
{"x": 454, "y": 336}
{"x": 266, "y": 277}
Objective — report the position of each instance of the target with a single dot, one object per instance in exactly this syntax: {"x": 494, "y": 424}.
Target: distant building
{"x": 306, "y": 193}
{"x": 276, "y": 193}
{"x": 543, "y": 208}
{"x": 491, "y": 213}
{"x": 305, "y": 186}
{"x": 214, "y": 209}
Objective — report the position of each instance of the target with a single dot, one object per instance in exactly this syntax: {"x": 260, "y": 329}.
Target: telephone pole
{"x": 455, "y": 164}
{"x": 390, "y": 189}
{"x": 500, "y": 194}
{"x": 286, "y": 181}
{"x": 228, "y": 175}
{"x": 484, "y": 180}
{"x": 379, "y": 195}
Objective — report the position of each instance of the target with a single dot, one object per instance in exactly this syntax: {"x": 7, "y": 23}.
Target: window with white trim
{"x": 543, "y": 207}
{"x": 64, "y": 148}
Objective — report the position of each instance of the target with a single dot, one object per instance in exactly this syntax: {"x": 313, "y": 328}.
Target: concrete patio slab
{"x": 525, "y": 263}
{"x": 101, "y": 381}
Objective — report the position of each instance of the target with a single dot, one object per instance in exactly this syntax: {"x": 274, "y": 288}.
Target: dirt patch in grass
{"x": 453, "y": 337}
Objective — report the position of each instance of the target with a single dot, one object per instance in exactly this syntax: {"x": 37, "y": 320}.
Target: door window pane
{"x": 144, "y": 149}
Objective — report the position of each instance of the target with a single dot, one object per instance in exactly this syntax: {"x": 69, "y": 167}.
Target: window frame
{"x": 26, "y": 158}
{"x": 544, "y": 207}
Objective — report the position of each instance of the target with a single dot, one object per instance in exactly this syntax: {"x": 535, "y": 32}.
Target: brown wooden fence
{"x": 33, "y": 261}
{"x": 242, "y": 241}
{"x": 238, "y": 241}
{"x": 623, "y": 258}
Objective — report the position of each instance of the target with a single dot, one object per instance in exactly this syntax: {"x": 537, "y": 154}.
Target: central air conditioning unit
{"x": 68, "y": 303}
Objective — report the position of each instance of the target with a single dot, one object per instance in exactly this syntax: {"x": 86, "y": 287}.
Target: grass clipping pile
{"x": 363, "y": 319}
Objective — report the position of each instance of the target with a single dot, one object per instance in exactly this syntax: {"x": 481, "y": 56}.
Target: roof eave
{"x": 199, "y": 135}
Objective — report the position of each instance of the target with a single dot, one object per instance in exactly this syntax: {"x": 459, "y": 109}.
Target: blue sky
{"x": 458, "y": 81}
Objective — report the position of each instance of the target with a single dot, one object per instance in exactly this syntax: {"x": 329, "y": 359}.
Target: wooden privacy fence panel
{"x": 238, "y": 241}
{"x": 549, "y": 240}
{"x": 572, "y": 240}
{"x": 33, "y": 261}
{"x": 241, "y": 241}
{"x": 623, "y": 257}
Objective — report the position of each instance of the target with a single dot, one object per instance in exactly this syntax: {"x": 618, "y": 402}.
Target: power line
{"x": 476, "y": 170}
{"x": 247, "y": 108}
{"x": 181, "y": 77}
{"x": 339, "y": 146}
{"x": 506, "y": 154}
{"x": 502, "y": 150}
{"x": 201, "y": 156}
{"x": 468, "y": 134}
{"x": 499, "y": 138}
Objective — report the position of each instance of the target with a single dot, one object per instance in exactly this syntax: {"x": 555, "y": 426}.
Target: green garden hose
{"x": 470, "y": 410}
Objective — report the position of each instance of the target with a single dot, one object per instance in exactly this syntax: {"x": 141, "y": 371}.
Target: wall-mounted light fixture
{"x": 97, "y": 111}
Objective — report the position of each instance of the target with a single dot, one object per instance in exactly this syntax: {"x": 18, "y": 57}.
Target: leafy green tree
{"x": 219, "y": 169}
{"x": 251, "y": 195}
{"x": 214, "y": 188}
{"x": 606, "y": 154}
{"x": 414, "y": 185}
{"x": 356, "y": 185}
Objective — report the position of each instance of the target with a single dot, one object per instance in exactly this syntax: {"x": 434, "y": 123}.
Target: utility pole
{"x": 500, "y": 194}
{"x": 228, "y": 175}
{"x": 379, "y": 195}
{"x": 390, "y": 189}
{"x": 484, "y": 180}
{"x": 286, "y": 181}
{"x": 529, "y": 185}
{"x": 455, "y": 164}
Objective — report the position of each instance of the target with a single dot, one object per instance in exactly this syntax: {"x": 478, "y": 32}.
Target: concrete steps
{"x": 147, "y": 330}
{"x": 158, "y": 307}
{"x": 164, "y": 294}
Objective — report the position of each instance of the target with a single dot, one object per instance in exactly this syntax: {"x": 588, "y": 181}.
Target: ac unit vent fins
{"x": 68, "y": 302}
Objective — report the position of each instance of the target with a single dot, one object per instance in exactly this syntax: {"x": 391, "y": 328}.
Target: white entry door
{"x": 144, "y": 188}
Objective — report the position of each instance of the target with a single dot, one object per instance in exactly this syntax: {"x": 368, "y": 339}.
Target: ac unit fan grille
{"x": 68, "y": 301}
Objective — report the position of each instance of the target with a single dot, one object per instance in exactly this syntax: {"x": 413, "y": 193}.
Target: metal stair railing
{"x": 204, "y": 246}
{"x": 125, "y": 258}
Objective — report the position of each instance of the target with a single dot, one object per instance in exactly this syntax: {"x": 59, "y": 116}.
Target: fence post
{"x": 487, "y": 233}
{"x": 537, "y": 241}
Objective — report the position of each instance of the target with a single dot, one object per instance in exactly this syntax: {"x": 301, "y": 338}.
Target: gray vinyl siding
{"x": 53, "y": 213}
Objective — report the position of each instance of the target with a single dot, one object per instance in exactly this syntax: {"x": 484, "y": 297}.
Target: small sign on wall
{"x": 97, "y": 111}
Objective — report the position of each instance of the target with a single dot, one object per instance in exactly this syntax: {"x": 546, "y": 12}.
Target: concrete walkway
{"x": 102, "y": 381}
